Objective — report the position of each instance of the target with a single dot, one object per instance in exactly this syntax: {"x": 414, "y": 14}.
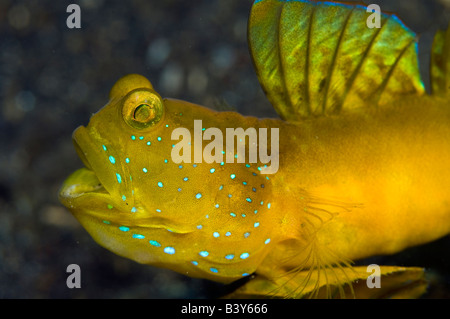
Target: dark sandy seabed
{"x": 52, "y": 79}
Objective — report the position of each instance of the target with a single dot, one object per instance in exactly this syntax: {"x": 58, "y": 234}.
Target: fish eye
{"x": 142, "y": 108}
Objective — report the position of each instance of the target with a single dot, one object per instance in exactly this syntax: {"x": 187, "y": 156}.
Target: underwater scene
{"x": 117, "y": 178}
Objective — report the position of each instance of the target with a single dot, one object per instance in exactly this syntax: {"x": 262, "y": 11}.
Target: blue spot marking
{"x": 220, "y": 187}
{"x": 169, "y": 250}
{"x": 246, "y": 234}
{"x": 212, "y": 170}
{"x": 233, "y": 176}
{"x": 144, "y": 170}
{"x": 119, "y": 178}
{"x": 155, "y": 243}
{"x": 141, "y": 137}
{"x": 133, "y": 137}
{"x": 104, "y": 147}
{"x": 268, "y": 206}
{"x": 124, "y": 198}
{"x": 112, "y": 159}
{"x": 124, "y": 228}
{"x": 158, "y": 210}
{"x": 138, "y": 236}
{"x": 216, "y": 206}
{"x": 248, "y": 199}
{"x": 229, "y": 257}
{"x": 233, "y": 214}
{"x": 227, "y": 233}
{"x": 256, "y": 224}
{"x": 245, "y": 255}
{"x": 216, "y": 234}
{"x": 160, "y": 184}
{"x": 127, "y": 160}
{"x": 267, "y": 241}
{"x": 159, "y": 138}
{"x": 199, "y": 226}
{"x": 203, "y": 253}
{"x": 244, "y": 274}
{"x": 198, "y": 195}
{"x": 133, "y": 210}
{"x": 149, "y": 143}
{"x": 195, "y": 263}
{"x": 213, "y": 270}
{"x": 185, "y": 179}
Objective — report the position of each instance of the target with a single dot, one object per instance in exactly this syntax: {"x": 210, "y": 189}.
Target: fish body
{"x": 381, "y": 173}
{"x": 360, "y": 160}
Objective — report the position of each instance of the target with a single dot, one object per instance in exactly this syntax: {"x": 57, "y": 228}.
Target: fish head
{"x": 136, "y": 200}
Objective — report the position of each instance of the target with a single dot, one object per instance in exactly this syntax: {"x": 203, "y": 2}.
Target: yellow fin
{"x": 320, "y": 57}
{"x": 440, "y": 63}
{"x": 395, "y": 282}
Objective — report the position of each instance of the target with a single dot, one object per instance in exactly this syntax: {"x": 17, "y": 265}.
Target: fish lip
{"x": 81, "y": 154}
{"x": 80, "y": 137}
{"x": 77, "y": 185}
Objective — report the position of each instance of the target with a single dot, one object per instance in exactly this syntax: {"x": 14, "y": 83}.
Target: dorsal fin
{"x": 440, "y": 63}
{"x": 320, "y": 57}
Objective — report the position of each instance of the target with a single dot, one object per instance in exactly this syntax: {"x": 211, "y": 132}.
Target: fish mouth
{"x": 79, "y": 183}
{"x": 83, "y": 180}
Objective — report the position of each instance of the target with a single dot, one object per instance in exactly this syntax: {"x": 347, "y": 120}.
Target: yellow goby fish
{"x": 363, "y": 166}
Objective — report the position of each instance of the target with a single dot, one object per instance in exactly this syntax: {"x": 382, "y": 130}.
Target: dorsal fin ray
{"x": 320, "y": 57}
{"x": 440, "y": 63}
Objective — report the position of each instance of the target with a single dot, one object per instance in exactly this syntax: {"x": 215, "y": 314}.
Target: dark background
{"x": 52, "y": 78}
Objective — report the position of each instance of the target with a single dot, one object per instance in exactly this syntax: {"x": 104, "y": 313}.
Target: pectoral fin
{"x": 314, "y": 58}
{"x": 395, "y": 282}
